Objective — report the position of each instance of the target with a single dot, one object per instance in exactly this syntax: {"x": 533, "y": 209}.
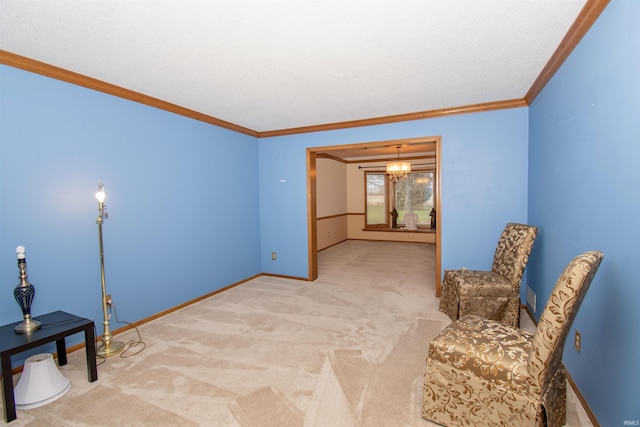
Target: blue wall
{"x": 584, "y": 163}
{"x": 484, "y": 184}
{"x": 182, "y": 223}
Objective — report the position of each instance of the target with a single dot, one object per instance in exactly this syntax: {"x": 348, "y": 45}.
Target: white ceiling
{"x": 275, "y": 64}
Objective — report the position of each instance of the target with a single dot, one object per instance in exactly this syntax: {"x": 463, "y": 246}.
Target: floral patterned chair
{"x": 492, "y": 294}
{"x": 481, "y": 372}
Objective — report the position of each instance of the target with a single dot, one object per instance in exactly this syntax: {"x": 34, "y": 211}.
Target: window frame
{"x": 386, "y": 203}
{"x": 427, "y": 223}
{"x": 390, "y": 200}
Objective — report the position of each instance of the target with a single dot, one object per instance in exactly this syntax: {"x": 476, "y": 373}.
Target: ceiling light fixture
{"x": 398, "y": 170}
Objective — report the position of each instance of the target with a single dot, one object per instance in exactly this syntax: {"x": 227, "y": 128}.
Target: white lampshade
{"x": 40, "y": 383}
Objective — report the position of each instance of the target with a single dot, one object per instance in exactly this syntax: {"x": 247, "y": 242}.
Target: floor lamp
{"x": 109, "y": 347}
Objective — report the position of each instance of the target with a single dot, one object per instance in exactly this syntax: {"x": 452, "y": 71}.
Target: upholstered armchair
{"x": 492, "y": 294}
{"x": 481, "y": 372}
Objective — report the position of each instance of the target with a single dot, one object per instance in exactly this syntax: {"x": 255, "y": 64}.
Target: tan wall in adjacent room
{"x": 331, "y": 231}
{"x": 331, "y": 202}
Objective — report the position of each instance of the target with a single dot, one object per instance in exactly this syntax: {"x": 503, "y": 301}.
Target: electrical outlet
{"x": 577, "y": 341}
{"x": 273, "y": 256}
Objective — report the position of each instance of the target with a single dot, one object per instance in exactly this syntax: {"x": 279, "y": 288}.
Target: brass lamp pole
{"x": 109, "y": 348}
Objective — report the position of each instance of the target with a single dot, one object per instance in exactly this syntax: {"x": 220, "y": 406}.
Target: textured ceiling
{"x": 271, "y": 65}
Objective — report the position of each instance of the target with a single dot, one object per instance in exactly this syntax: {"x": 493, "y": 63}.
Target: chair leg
{"x": 512, "y": 314}
{"x": 450, "y": 301}
{"x": 555, "y": 400}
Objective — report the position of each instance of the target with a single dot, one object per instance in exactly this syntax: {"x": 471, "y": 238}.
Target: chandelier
{"x": 398, "y": 170}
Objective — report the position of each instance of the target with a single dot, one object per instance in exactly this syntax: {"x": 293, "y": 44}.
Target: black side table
{"x": 54, "y": 327}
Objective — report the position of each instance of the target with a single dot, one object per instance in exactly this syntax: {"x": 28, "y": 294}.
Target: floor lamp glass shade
{"x": 40, "y": 383}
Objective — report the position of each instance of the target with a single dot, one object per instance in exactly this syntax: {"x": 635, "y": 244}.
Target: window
{"x": 376, "y": 199}
{"x": 413, "y": 194}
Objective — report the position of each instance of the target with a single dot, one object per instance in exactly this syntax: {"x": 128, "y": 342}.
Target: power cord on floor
{"x": 129, "y": 344}
{"x": 132, "y": 343}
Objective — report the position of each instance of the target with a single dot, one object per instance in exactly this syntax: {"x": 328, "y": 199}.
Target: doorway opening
{"x": 414, "y": 149}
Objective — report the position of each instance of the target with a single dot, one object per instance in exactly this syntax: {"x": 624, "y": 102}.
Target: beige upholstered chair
{"x": 492, "y": 294}
{"x": 481, "y": 372}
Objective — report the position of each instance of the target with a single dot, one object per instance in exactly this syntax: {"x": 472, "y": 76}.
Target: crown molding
{"x": 588, "y": 15}
{"x": 28, "y": 64}
{"x": 466, "y": 109}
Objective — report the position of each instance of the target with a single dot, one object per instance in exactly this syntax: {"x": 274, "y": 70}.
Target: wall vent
{"x": 531, "y": 299}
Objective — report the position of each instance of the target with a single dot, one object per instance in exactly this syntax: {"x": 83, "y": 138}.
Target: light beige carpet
{"x": 345, "y": 350}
